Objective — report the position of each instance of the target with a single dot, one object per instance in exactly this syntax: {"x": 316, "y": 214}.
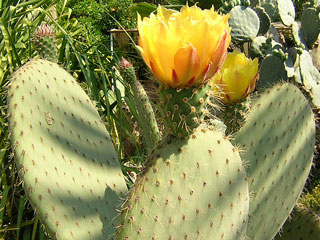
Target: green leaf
{"x": 20, "y": 45}
{"x": 143, "y": 9}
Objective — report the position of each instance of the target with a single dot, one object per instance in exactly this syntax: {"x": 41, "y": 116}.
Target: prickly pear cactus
{"x": 286, "y": 11}
{"x": 302, "y": 225}
{"x": 278, "y": 141}
{"x": 310, "y": 77}
{"x": 66, "y": 158}
{"x": 192, "y": 189}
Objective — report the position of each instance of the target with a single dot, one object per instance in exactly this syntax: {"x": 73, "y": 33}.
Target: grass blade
{"x": 20, "y": 214}
{"x": 3, "y": 203}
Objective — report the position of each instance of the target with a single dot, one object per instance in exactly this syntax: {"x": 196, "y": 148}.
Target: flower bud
{"x": 237, "y": 77}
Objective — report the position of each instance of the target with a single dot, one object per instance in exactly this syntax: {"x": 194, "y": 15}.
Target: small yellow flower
{"x": 185, "y": 48}
{"x": 237, "y": 77}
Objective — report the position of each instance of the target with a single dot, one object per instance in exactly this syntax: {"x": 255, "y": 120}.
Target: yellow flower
{"x": 237, "y": 77}
{"x": 185, "y": 48}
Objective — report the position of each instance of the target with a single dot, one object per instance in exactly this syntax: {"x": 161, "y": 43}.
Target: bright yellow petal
{"x": 186, "y": 64}
{"x": 238, "y": 76}
{"x": 220, "y": 55}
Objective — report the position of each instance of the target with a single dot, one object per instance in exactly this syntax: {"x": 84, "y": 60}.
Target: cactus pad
{"x": 45, "y": 42}
{"x": 310, "y": 77}
{"x": 147, "y": 119}
{"x": 192, "y": 189}
{"x": 271, "y": 9}
{"x": 279, "y": 140}
{"x": 265, "y": 20}
{"x": 286, "y": 11}
{"x": 66, "y": 158}
{"x": 310, "y": 25}
{"x": 297, "y": 34}
{"x": 272, "y": 70}
{"x": 244, "y": 23}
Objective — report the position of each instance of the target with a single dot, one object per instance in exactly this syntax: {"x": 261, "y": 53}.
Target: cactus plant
{"x": 196, "y": 184}
{"x": 192, "y": 189}
{"x": 265, "y": 20}
{"x": 66, "y": 158}
{"x": 278, "y": 141}
{"x": 286, "y": 11}
{"x": 272, "y": 71}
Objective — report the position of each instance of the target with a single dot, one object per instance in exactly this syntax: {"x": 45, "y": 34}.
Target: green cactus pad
{"x": 310, "y": 77}
{"x": 286, "y": 11}
{"x": 310, "y": 25}
{"x": 150, "y": 128}
{"x": 265, "y": 20}
{"x": 271, "y": 9}
{"x": 303, "y": 225}
{"x": 272, "y": 70}
{"x": 184, "y": 109}
{"x": 244, "y": 23}
{"x": 278, "y": 141}
{"x": 289, "y": 66}
{"x": 297, "y": 35}
{"x": 66, "y": 158}
{"x": 192, "y": 189}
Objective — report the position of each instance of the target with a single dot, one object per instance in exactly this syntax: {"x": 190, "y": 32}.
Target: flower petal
{"x": 220, "y": 54}
{"x": 186, "y": 63}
